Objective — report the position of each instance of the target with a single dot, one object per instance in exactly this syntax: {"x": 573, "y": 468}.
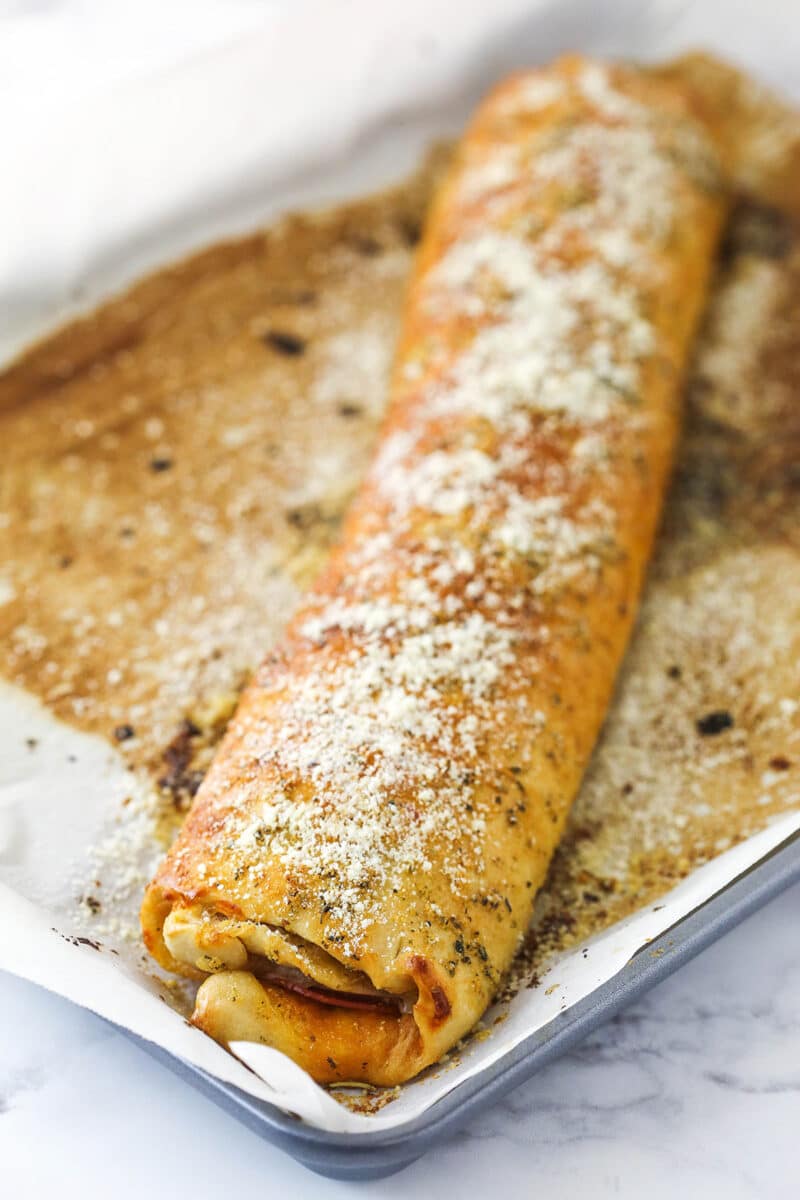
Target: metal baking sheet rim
{"x": 367, "y": 1156}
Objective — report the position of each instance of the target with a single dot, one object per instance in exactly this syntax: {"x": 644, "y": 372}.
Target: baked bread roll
{"x": 361, "y": 860}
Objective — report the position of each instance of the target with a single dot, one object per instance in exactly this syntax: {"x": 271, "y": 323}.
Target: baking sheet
{"x": 159, "y": 188}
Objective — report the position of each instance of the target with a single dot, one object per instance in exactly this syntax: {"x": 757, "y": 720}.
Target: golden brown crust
{"x": 397, "y": 776}
{"x": 334, "y": 1045}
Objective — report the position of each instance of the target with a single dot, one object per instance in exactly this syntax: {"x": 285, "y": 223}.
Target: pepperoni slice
{"x": 352, "y": 1000}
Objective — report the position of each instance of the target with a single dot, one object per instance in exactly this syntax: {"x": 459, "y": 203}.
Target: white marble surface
{"x": 694, "y": 1091}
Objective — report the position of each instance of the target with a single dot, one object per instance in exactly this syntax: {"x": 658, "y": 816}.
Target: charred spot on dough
{"x": 284, "y": 342}
{"x": 714, "y": 723}
{"x": 757, "y": 230}
{"x": 306, "y": 516}
{"x": 365, "y": 244}
{"x": 780, "y": 763}
{"x": 179, "y": 781}
{"x": 421, "y": 968}
{"x": 441, "y": 1005}
{"x": 410, "y": 230}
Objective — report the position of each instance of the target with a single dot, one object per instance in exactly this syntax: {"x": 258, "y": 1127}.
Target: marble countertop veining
{"x": 694, "y": 1091}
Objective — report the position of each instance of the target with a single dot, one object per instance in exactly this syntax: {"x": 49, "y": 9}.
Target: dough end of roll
{"x": 334, "y": 1045}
